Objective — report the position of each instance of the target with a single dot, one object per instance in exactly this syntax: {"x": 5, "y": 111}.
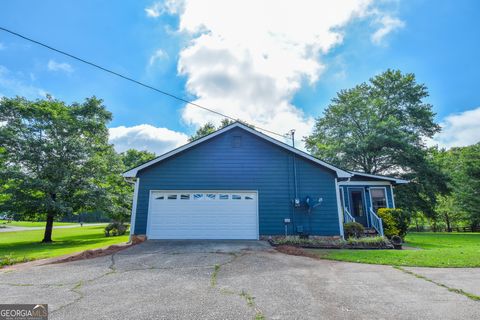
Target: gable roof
{"x": 376, "y": 176}
{"x": 340, "y": 173}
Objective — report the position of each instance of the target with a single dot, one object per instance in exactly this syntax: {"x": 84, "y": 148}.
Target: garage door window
{"x": 236, "y": 197}
{"x": 172, "y": 197}
{"x": 210, "y": 196}
{"x": 248, "y": 198}
{"x": 184, "y": 197}
{"x": 198, "y": 196}
{"x": 223, "y": 196}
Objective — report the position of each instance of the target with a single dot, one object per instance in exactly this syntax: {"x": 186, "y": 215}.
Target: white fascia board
{"x": 397, "y": 181}
{"x": 340, "y": 173}
{"x": 364, "y": 183}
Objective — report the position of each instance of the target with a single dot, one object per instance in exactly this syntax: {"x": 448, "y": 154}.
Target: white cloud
{"x": 158, "y": 8}
{"x": 388, "y": 24}
{"x": 146, "y": 137}
{"x": 249, "y": 58}
{"x": 458, "y": 130}
{"x": 14, "y": 86}
{"x": 159, "y": 54}
{"x": 59, "y": 66}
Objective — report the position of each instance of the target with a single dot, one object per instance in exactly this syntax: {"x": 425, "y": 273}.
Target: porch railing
{"x": 347, "y": 217}
{"x": 376, "y": 222}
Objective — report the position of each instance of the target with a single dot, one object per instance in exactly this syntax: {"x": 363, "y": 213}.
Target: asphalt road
{"x": 236, "y": 280}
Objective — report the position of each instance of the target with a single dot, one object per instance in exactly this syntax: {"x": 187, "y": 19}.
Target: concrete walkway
{"x": 232, "y": 280}
{"x": 15, "y": 228}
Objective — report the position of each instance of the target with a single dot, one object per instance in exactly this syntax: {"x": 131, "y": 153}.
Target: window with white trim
{"x": 379, "y": 198}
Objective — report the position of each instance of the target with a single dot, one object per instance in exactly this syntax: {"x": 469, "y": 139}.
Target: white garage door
{"x": 202, "y": 215}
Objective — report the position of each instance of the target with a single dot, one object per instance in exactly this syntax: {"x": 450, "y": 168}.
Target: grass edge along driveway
{"x": 20, "y": 246}
{"x": 438, "y": 249}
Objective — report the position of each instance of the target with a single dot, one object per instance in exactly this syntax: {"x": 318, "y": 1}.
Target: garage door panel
{"x": 203, "y": 215}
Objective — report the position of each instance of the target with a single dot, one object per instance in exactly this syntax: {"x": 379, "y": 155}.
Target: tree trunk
{"x": 47, "y": 236}
{"x": 447, "y": 221}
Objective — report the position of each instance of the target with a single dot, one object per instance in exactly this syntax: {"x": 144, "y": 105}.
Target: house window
{"x": 172, "y": 197}
{"x": 379, "y": 199}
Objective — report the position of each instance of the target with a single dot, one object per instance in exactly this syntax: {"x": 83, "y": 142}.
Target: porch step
{"x": 370, "y": 232}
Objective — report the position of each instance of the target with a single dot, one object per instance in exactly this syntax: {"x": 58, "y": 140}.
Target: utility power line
{"x": 134, "y": 80}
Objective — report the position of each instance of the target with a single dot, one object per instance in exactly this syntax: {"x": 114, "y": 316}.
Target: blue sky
{"x": 278, "y": 68}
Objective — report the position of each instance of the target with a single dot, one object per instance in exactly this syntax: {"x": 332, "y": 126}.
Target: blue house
{"x": 238, "y": 183}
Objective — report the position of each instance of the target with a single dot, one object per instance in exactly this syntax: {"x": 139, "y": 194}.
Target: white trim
{"x": 364, "y": 183}
{"x": 398, "y": 181}
{"x": 340, "y": 173}
{"x": 202, "y": 191}
{"x": 339, "y": 209}
{"x": 370, "y": 194}
{"x": 343, "y": 195}
{"x": 134, "y": 206}
{"x": 393, "y": 197}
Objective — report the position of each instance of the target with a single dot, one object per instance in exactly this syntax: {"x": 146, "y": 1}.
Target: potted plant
{"x": 397, "y": 242}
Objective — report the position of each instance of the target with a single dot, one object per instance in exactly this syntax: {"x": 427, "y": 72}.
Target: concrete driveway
{"x": 231, "y": 280}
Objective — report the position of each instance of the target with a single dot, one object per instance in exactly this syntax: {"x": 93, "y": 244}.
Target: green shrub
{"x": 402, "y": 219}
{"x": 389, "y": 224}
{"x": 115, "y": 229}
{"x": 353, "y": 230}
{"x": 367, "y": 240}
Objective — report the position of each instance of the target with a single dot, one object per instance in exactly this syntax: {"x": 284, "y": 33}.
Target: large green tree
{"x": 208, "y": 128}
{"x": 462, "y": 165}
{"x": 133, "y": 158}
{"x": 56, "y": 158}
{"x": 380, "y": 127}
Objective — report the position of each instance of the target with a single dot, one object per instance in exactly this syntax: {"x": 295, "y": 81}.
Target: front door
{"x": 357, "y": 205}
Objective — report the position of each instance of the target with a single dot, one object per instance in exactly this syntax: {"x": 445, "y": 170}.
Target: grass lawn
{"x": 34, "y": 223}
{"x": 21, "y": 246}
{"x": 436, "y": 250}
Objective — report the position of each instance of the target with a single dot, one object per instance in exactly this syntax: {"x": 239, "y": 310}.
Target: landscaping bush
{"x": 389, "y": 224}
{"x": 353, "y": 229}
{"x": 322, "y": 243}
{"x": 400, "y": 218}
{"x": 369, "y": 243}
{"x": 115, "y": 229}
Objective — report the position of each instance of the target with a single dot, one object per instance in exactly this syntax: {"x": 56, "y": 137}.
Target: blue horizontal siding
{"x": 255, "y": 165}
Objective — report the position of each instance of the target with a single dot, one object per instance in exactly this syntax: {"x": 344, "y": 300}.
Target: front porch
{"x": 362, "y": 195}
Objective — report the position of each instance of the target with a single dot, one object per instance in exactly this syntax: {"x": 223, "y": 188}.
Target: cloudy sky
{"x": 276, "y": 64}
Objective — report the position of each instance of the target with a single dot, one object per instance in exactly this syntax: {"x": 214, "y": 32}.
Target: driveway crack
{"x": 469, "y": 295}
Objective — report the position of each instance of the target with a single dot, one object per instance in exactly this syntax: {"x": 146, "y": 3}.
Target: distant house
{"x": 238, "y": 183}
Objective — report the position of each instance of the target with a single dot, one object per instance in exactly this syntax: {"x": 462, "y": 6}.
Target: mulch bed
{"x": 295, "y": 251}
{"x": 90, "y": 254}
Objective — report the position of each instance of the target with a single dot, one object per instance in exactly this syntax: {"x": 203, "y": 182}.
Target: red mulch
{"x": 294, "y": 251}
{"x": 90, "y": 254}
